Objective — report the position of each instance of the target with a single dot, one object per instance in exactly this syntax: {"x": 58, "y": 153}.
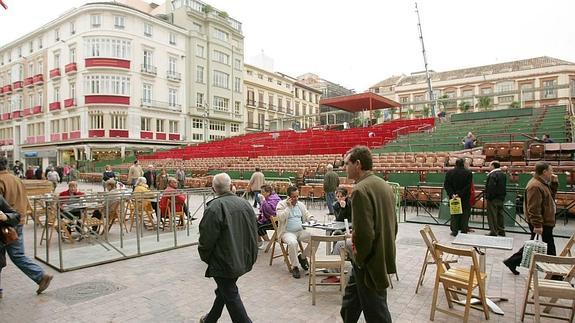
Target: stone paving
{"x": 171, "y": 287}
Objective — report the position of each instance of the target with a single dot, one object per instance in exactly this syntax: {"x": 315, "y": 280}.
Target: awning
{"x": 360, "y": 102}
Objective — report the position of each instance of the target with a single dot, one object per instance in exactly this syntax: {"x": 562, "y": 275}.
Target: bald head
{"x": 329, "y": 167}
{"x": 222, "y": 183}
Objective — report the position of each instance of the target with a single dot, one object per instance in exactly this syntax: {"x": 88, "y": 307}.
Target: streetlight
{"x": 205, "y": 108}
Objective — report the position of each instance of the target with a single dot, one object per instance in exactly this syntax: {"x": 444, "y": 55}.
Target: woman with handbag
{"x": 9, "y": 219}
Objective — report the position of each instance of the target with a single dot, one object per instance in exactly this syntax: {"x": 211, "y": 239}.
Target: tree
{"x": 377, "y": 114}
{"x": 484, "y": 102}
{"x": 410, "y": 112}
{"x": 443, "y": 101}
{"x": 515, "y": 105}
{"x": 207, "y": 8}
{"x": 426, "y": 110}
{"x": 464, "y": 106}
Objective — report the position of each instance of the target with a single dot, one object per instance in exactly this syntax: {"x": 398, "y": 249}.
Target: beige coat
{"x": 282, "y": 212}
{"x": 135, "y": 172}
{"x": 14, "y": 192}
{"x": 256, "y": 181}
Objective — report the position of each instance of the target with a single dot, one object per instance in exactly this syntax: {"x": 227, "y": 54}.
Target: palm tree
{"x": 484, "y": 102}
{"x": 464, "y": 106}
{"x": 426, "y": 110}
{"x": 515, "y": 105}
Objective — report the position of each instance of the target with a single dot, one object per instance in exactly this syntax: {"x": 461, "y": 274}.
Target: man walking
{"x": 495, "y": 187}
{"x": 228, "y": 244}
{"x": 255, "y": 185}
{"x": 330, "y": 184}
{"x": 14, "y": 192}
{"x": 134, "y": 173}
{"x": 373, "y": 237}
{"x": 458, "y": 183}
{"x": 539, "y": 211}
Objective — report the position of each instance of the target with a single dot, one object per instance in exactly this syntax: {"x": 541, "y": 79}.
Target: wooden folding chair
{"x": 554, "y": 289}
{"x": 429, "y": 239}
{"x": 51, "y": 223}
{"x": 454, "y": 280}
{"x": 320, "y": 262}
{"x": 283, "y": 245}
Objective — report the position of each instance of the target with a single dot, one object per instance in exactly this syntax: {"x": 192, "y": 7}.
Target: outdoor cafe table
{"x": 329, "y": 228}
{"x": 481, "y": 243}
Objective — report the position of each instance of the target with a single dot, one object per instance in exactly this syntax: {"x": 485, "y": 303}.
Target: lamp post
{"x": 205, "y": 108}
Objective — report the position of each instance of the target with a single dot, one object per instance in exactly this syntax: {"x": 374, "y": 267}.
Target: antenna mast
{"x": 427, "y": 76}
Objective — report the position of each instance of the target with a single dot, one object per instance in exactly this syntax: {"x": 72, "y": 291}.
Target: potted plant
{"x": 515, "y": 105}
{"x": 223, "y": 14}
{"x": 464, "y": 106}
{"x": 484, "y": 102}
{"x": 207, "y": 9}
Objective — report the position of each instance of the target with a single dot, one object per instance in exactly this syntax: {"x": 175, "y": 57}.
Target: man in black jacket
{"x": 228, "y": 244}
{"x": 495, "y": 186}
{"x": 458, "y": 183}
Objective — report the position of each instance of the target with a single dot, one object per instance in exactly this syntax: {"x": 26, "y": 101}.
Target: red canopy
{"x": 360, "y": 102}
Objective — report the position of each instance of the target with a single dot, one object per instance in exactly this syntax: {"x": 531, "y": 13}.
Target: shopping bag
{"x": 455, "y": 206}
{"x": 530, "y": 247}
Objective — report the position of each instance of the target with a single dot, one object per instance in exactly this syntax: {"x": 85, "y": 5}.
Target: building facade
{"x": 275, "y": 101}
{"x": 535, "y": 82}
{"x": 110, "y": 80}
{"x": 328, "y": 115}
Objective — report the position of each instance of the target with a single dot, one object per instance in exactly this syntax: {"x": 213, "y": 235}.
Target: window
{"x": 235, "y": 127}
{"x": 197, "y": 123}
{"x": 199, "y": 100}
{"x": 197, "y": 27}
{"x": 31, "y": 100}
{"x": 72, "y": 54}
{"x": 505, "y": 86}
{"x": 40, "y": 99}
{"x": 56, "y": 94}
{"x": 270, "y": 79}
{"x": 54, "y": 126}
{"x": 40, "y": 67}
{"x": 172, "y": 97}
{"x": 467, "y": 93}
{"x": 64, "y": 125}
{"x": 30, "y": 69}
{"x": 148, "y": 56}
{"x": 237, "y": 107}
{"x": 148, "y": 30}
{"x": 160, "y": 125}
{"x": 261, "y": 76}
{"x": 172, "y": 39}
{"x": 56, "y": 60}
{"x": 549, "y": 90}
{"x": 221, "y": 104}
{"x": 217, "y": 137}
{"x": 288, "y": 106}
{"x": 200, "y": 74}
{"x": 97, "y": 121}
{"x": 118, "y": 121}
{"x": 146, "y": 124}
{"x": 238, "y": 84}
{"x": 221, "y": 79}
{"x": 172, "y": 65}
{"x": 75, "y": 124}
{"x": 119, "y": 22}
{"x": 221, "y": 57}
{"x": 221, "y": 35}
{"x": 217, "y": 125}
{"x": 271, "y": 101}
{"x": 197, "y": 136}
{"x": 107, "y": 47}
{"x": 72, "y": 28}
{"x": 572, "y": 86}
{"x": 57, "y": 34}
{"x": 486, "y": 91}
{"x": 526, "y": 92}
{"x": 505, "y": 99}
{"x": 147, "y": 93}
{"x": 40, "y": 43}
{"x": 95, "y": 21}
{"x": 31, "y": 46}
{"x": 107, "y": 84}
{"x": 19, "y": 51}
{"x": 200, "y": 51}
{"x": 173, "y": 126}
{"x": 72, "y": 91}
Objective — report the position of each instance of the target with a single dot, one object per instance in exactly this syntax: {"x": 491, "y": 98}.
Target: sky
{"x": 359, "y": 43}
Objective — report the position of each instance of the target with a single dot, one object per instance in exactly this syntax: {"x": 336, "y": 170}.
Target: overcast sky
{"x": 358, "y": 43}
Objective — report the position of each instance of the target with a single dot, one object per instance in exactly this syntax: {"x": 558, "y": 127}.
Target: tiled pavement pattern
{"x": 171, "y": 287}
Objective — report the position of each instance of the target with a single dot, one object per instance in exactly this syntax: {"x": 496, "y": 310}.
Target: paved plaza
{"x": 171, "y": 287}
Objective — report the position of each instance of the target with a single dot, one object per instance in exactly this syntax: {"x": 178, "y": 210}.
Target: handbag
{"x": 455, "y": 206}
{"x": 8, "y": 235}
{"x": 529, "y": 248}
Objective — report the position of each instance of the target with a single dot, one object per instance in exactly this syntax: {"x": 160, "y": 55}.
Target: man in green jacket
{"x": 374, "y": 231}
{"x": 228, "y": 244}
{"x": 330, "y": 184}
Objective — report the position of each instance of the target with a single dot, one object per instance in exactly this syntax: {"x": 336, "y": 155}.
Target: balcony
{"x": 174, "y": 76}
{"x": 106, "y": 99}
{"x": 38, "y": 79}
{"x": 160, "y": 105}
{"x": 68, "y": 103}
{"x": 251, "y": 103}
{"x": 7, "y": 89}
{"x": 5, "y": 116}
{"x": 254, "y": 126}
{"x": 54, "y": 106}
{"x": 75, "y": 135}
{"x": 29, "y": 81}
{"x": 55, "y": 73}
{"x": 71, "y": 68}
{"x": 40, "y": 139}
{"x": 1, "y": 91}
{"x": 16, "y": 114}
{"x": 149, "y": 69}
{"x": 55, "y": 137}
{"x": 118, "y": 133}
{"x": 96, "y": 133}
{"x": 146, "y": 135}
{"x": 107, "y": 62}
{"x": 37, "y": 109}
{"x": 160, "y": 136}
{"x": 65, "y": 136}
{"x": 18, "y": 85}
{"x": 27, "y": 111}
{"x": 30, "y": 140}
{"x": 174, "y": 136}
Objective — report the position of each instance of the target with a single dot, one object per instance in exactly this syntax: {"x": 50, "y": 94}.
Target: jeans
{"x": 547, "y": 237}
{"x": 26, "y": 265}
{"x": 330, "y": 199}
{"x": 256, "y": 198}
{"x": 358, "y": 298}
{"x": 227, "y": 294}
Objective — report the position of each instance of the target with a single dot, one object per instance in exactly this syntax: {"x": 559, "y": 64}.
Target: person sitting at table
{"x": 269, "y": 201}
{"x": 347, "y": 244}
{"x": 291, "y": 215}
{"x": 180, "y": 200}
{"x": 141, "y": 186}
{"x": 342, "y": 205}
{"x": 71, "y": 196}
